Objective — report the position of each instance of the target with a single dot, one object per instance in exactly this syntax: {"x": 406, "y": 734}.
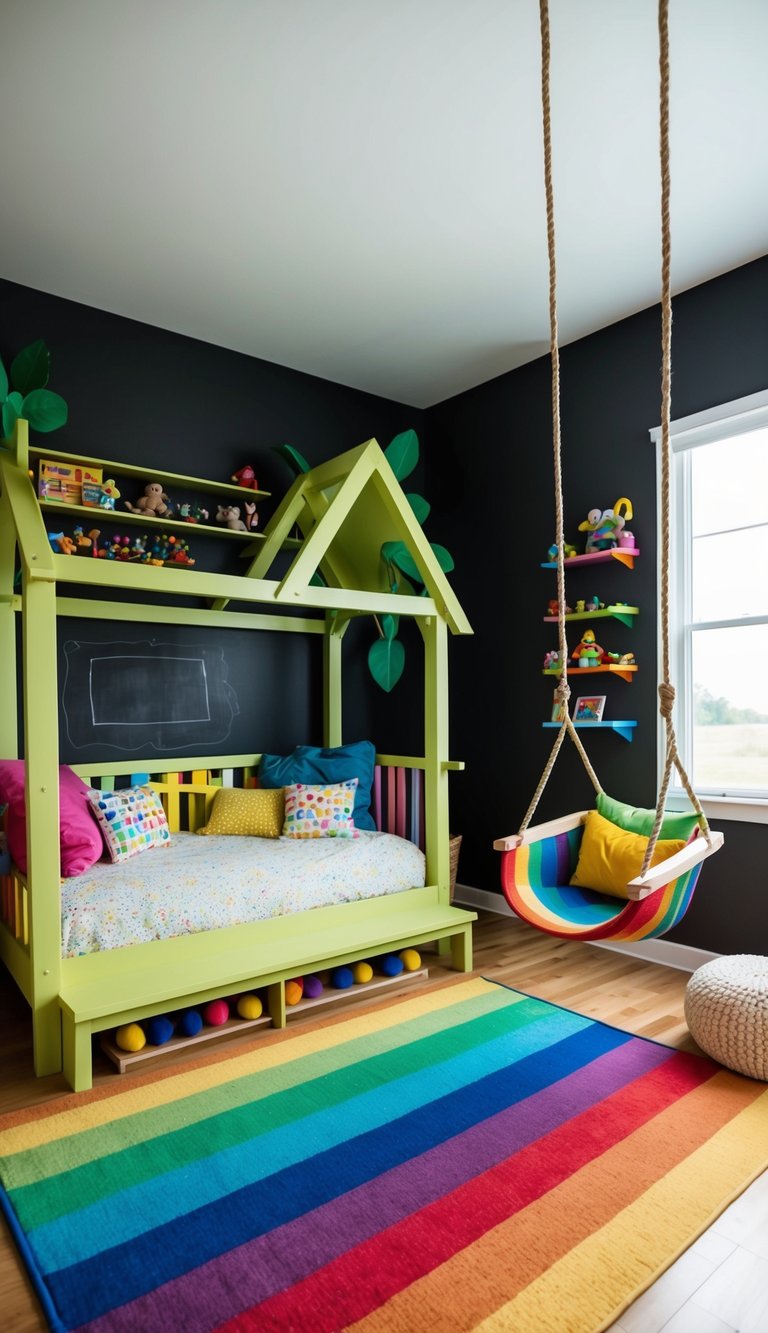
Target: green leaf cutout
{"x": 402, "y": 453}
{"x": 295, "y": 460}
{"x": 389, "y": 625}
{"x": 420, "y": 506}
{"x": 397, "y": 553}
{"x": 386, "y": 659}
{"x": 443, "y": 557}
{"x": 3, "y": 382}
{"x": 30, "y": 369}
{"x": 44, "y": 410}
{"x": 317, "y": 580}
{"x": 11, "y": 413}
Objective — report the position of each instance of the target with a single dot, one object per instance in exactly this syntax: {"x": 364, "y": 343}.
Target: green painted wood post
{"x": 435, "y": 632}
{"x": 335, "y": 627}
{"x": 9, "y": 740}
{"x": 41, "y": 747}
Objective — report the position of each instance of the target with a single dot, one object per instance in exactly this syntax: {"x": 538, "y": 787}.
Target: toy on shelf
{"x": 552, "y": 660}
{"x": 154, "y": 502}
{"x": 249, "y": 1006}
{"x": 63, "y": 483}
{"x": 391, "y": 965}
{"x": 342, "y": 978}
{"x": 588, "y": 653}
{"x": 81, "y": 541}
{"x": 230, "y": 516}
{"x": 193, "y": 513}
{"x": 553, "y": 607}
{"x": 62, "y": 544}
{"x": 294, "y": 990}
{"x": 109, "y": 494}
{"x": 246, "y": 477}
{"x": 313, "y": 987}
{"x": 130, "y": 1037}
{"x": 251, "y": 516}
{"x": 190, "y": 1022}
{"x": 604, "y": 526}
{"x": 594, "y": 604}
{"x": 411, "y": 959}
{"x": 159, "y": 1030}
{"x": 568, "y": 551}
{"x": 362, "y": 973}
{"x": 216, "y": 1013}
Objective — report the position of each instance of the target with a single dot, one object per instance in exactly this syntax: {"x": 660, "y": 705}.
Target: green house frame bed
{"x": 343, "y": 510}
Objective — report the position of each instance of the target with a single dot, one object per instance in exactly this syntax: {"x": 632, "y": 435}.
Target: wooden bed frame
{"x": 344, "y": 510}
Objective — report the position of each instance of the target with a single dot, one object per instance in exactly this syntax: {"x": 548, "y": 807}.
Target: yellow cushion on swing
{"x": 610, "y": 857}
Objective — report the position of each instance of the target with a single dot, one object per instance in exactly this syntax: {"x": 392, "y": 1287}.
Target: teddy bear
{"x": 153, "y": 501}
{"x": 246, "y": 477}
{"x": 230, "y": 514}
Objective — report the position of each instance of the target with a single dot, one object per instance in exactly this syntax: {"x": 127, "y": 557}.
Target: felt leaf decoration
{"x": 317, "y": 580}
{"x": 402, "y": 453}
{"x": 3, "y": 382}
{"x": 11, "y": 413}
{"x": 386, "y": 659}
{"x": 389, "y": 625}
{"x": 44, "y": 410}
{"x": 30, "y": 369}
{"x": 397, "y": 553}
{"x": 293, "y": 458}
{"x": 420, "y": 506}
{"x": 443, "y": 557}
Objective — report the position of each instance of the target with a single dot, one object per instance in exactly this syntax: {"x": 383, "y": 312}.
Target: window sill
{"x": 744, "y": 809}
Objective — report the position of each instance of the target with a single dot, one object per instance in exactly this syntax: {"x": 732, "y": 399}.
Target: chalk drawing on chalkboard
{"x": 145, "y": 695}
{"x": 148, "y": 690}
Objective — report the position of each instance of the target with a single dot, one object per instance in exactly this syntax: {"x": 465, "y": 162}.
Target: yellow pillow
{"x": 610, "y": 857}
{"x": 256, "y": 812}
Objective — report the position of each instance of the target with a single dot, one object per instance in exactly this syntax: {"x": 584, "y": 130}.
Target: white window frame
{"x": 688, "y": 433}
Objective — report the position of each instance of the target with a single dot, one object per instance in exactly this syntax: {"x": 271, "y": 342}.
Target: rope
{"x": 563, "y": 690}
{"x": 666, "y": 689}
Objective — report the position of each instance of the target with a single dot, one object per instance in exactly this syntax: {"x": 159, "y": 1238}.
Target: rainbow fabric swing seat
{"x": 536, "y": 867}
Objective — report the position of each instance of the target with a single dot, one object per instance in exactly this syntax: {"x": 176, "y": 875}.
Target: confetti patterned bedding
{"x": 198, "y": 883}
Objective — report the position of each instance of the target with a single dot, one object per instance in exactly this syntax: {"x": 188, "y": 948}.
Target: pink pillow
{"x": 79, "y": 836}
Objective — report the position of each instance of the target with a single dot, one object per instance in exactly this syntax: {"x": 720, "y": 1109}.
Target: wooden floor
{"x": 719, "y": 1285}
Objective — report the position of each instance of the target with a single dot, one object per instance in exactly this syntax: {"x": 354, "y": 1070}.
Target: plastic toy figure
{"x": 587, "y": 653}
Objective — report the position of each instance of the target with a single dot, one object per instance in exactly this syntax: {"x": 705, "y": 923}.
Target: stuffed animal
{"x": 230, "y": 514}
{"x": 153, "y": 501}
{"x": 246, "y": 477}
{"x": 251, "y": 517}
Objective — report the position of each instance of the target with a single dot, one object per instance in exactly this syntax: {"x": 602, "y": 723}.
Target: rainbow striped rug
{"x": 463, "y": 1158}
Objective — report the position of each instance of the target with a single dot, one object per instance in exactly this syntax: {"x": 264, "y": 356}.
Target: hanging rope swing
{"x": 544, "y": 868}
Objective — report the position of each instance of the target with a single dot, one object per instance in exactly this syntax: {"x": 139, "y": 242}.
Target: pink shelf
{"x": 624, "y": 554}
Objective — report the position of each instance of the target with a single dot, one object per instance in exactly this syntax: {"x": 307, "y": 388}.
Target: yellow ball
{"x": 410, "y": 959}
{"x": 249, "y": 1006}
{"x": 293, "y": 992}
{"x": 362, "y": 972}
{"x": 130, "y": 1037}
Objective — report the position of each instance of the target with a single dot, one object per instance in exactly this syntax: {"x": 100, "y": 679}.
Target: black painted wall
{"x": 489, "y": 460}
{"x": 147, "y": 396}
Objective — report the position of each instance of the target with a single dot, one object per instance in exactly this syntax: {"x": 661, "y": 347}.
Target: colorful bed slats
{"x": 535, "y": 878}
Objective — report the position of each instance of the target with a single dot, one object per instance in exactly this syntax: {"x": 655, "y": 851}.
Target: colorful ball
{"x": 249, "y": 1006}
{"x": 216, "y": 1013}
{"x": 362, "y": 972}
{"x": 342, "y": 978}
{"x": 294, "y": 990}
{"x": 391, "y": 965}
{"x": 130, "y": 1037}
{"x": 190, "y": 1023}
{"x": 410, "y": 959}
{"x": 159, "y": 1030}
{"x": 313, "y": 987}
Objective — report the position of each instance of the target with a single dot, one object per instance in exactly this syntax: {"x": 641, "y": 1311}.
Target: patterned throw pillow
{"x": 131, "y": 820}
{"x": 251, "y": 812}
{"x": 320, "y": 812}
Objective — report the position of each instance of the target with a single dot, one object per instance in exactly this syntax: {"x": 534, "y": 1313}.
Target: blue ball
{"x": 159, "y": 1030}
{"x": 391, "y": 965}
{"x": 190, "y": 1023}
{"x": 342, "y": 978}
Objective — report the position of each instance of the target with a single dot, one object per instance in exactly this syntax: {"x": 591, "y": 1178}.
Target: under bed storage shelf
{"x": 624, "y": 554}
{"x": 355, "y": 992}
{"x": 625, "y": 729}
{"x": 125, "y": 1059}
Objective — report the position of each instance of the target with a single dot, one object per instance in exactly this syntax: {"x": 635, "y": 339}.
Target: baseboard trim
{"x": 682, "y": 956}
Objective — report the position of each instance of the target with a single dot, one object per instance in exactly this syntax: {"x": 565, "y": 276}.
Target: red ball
{"x": 216, "y": 1013}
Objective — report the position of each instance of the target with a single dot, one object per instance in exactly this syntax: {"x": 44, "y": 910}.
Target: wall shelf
{"x": 624, "y": 729}
{"x": 618, "y": 610}
{"x": 624, "y": 554}
{"x": 150, "y": 474}
{"x": 119, "y": 517}
{"x": 617, "y": 669}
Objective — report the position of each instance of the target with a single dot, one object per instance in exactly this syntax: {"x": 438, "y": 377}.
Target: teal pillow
{"x": 636, "y": 820}
{"x": 311, "y": 765}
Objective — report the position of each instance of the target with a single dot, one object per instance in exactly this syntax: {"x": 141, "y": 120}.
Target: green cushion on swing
{"x": 609, "y": 856}
{"x": 636, "y": 820}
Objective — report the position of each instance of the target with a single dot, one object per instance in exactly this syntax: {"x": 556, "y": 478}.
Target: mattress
{"x": 196, "y": 883}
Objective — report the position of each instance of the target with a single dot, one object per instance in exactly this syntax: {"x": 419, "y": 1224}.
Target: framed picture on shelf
{"x": 558, "y": 709}
{"x": 589, "y": 708}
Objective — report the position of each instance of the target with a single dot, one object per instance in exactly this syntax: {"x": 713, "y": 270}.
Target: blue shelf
{"x": 625, "y": 729}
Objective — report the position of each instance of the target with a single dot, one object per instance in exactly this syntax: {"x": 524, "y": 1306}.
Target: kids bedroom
{"x": 373, "y": 377}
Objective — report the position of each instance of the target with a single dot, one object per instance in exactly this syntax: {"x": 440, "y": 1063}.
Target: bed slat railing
{"x": 398, "y": 800}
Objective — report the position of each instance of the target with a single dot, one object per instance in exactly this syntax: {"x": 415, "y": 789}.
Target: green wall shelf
{"x": 619, "y": 611}
{"x": 624, "y": 729}
{"x": 150, "y": 474}
{"x": 99, "y": 517}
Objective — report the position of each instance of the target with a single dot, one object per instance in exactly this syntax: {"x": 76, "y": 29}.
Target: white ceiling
{"x": 354, "y": 187}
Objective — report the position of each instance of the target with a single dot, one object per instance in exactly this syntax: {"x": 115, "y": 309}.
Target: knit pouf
{"x": 726, "y": 1009}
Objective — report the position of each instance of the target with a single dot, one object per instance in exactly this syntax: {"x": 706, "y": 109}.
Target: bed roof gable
{"x": 345, "y": 510}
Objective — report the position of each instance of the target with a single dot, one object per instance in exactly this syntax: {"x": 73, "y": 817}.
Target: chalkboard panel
{"x": 124, "y": 691}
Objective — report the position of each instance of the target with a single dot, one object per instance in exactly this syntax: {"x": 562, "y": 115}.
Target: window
{"x": 719, "y": 603}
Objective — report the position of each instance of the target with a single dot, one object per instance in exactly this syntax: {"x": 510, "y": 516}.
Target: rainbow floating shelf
{"x": 624, "y": 554}
{"x": 618, "y": 669}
